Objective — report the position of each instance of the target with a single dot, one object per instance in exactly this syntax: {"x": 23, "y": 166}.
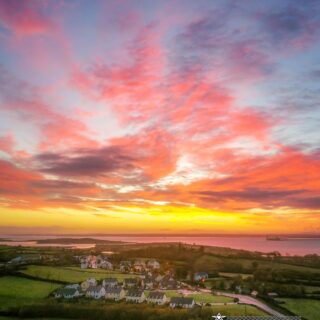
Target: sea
{"x": 286, "y": 246}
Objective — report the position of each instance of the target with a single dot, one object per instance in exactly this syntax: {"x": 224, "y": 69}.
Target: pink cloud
{"x": 24, "y": 18}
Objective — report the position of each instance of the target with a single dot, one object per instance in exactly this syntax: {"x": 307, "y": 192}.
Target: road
{"x": 250, "y": 300}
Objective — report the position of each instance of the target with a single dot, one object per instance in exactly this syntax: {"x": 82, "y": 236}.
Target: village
{"x": 146, "y": 282}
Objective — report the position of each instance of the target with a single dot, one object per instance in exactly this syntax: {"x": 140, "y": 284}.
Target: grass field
{"x": 16, "y": 291}
{"x": 210, "y": 298}
{"x": 307, "y": 308}
{"x": 72, "y": 274}
{"x": 201, "y": 297}
{"x": 211, "y": 264}
{"x": 238, "y": 310}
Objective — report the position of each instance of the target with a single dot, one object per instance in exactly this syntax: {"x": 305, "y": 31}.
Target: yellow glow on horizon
{"x": 157, "y": 219}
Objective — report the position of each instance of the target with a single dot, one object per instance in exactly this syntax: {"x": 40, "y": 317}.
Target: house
{"x": 182, "y": 302}
{"x": 105, "y": 264}
{"x": 168, "y": 283}
{"x": 73, "y": 286}
{"x": 272, "y": 294}
{"x": 157, "y": 297}
{"x": 130, "y": 282}
{"x": 110, "y": 282}
{"x": 125, "y": 266}
{"x": 136, "y": 296}
{"x": 84, "y": 264}
{"x": 153, "y": 264}
{"x": 88, "y": 283}
{"x": 17, "y": 261}
{"x": 88, "y": 262}
{"x": 67, "y": 293}
{"x": 115, "y": 293}
{"x": 96, "y": 292}
{"x": 149, "y": 283}
{"x": 93, "y": 264}
{"x": 254, "y": 293}
{"x": 139, "y": 266}
{"x": 200, "y": 276}
{"x": 145, "y": 274}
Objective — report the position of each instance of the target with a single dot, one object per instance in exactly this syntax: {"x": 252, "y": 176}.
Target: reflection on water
{"x": 285, "y": 247}
{"x": 35, "y": 244}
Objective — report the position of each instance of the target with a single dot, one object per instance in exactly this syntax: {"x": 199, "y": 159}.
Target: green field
{"x": 211, "y": 264}
{"x": 72, "y": 274}
{"x": 201, "y": 297}
{"x": 238, "y": 310}
{"x": 210, "y": 298}
{"x": 16, "y": 291}
{"x": 306, "y": 308}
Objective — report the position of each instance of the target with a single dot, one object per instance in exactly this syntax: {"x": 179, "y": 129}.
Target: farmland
{"x": 16, "y": 291}
{"x": 238, "y": 309}
{"x": 307, "y": 308}
{"x": 71, "y": 274}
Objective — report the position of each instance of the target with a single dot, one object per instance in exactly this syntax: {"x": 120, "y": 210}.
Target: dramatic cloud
{"x": 85, "y": 162}
{"x": 208, "y": 111}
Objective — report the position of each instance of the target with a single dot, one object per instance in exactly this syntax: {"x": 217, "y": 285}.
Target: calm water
{"x": 285, "y": 247}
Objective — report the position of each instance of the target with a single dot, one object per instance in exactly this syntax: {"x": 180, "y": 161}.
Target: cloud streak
{"x": 205, "y": 108}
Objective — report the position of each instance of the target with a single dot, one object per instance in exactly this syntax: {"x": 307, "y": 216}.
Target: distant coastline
{"x": 294, "y": 245}
{"x": 213, "y": 235}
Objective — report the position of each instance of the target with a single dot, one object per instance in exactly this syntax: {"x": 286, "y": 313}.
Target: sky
{"x": 159, "y": 116}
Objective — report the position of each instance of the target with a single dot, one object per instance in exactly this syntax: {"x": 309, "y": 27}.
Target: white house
{"x": 125, "y": 266}
{"x": 90, "y": 282}
{"x": 254, "y": 293}
{"x": 130, "y": 282}
{"x": 136, "y": 296}
{"x": 73, "y": 286}
{"x": 139, "y": 265}
{"x": 153, "y": 264}
{"x": 149, "y": 283}
{"x": 115, "y": 293}
{"x": 96, "y": 292}
{"x": 110, "y": 282}
{"x": 168, "y": 283}
{"x": 105, "y": 264}
{"x": 182, "y": 302}
{"x": 157, "y": 297}
{"x": 200, "y": 276}
{"x": 67, "y": 293}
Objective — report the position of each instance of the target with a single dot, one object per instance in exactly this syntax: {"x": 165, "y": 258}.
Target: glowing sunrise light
{"x": 159, "y": 116}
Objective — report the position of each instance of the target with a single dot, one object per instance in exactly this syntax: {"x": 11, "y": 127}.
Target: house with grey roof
{"x": 88, "y": 283}
{"x": 153, "y": 264}
{"x": 157, "y": 297}
{"x": 139, "y": 265}
{"x": 125, "y": 266}
{"x": 115, "y": 293}
{"x": 135, "y": 296}
{"x": 168, "y": 283}
{"x": 95, "y": 292}
{"x": 130, "y": 282}
{"x": 200, "y": 276}
{"x": 67, "y": 293}
{"x": 149, "y": 282}
{"x": 182, "y": 302}
{"x": 73, "y": 286}
{"x": 110, "y": 282}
